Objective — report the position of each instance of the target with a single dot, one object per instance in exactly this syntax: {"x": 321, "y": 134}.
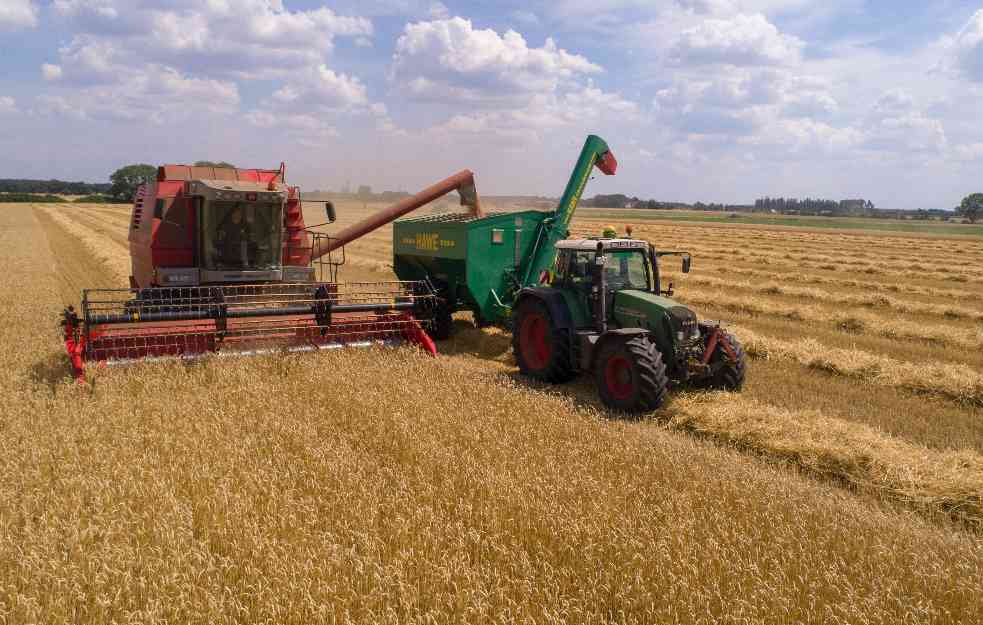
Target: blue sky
{"x": 712, "y": 100}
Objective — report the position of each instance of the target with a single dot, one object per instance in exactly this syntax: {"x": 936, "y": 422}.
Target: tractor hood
{"x": 642, "y": 309}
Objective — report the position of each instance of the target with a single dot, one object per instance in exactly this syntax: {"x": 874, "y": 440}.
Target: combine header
{"x": 224, "y": 264}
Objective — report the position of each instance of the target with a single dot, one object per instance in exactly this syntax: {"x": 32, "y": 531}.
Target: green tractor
{"x": 575, "y": 305}
{"x": 602, "y": 309}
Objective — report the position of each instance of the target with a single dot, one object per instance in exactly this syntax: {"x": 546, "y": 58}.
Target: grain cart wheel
{"x": 728, "y": 375}
{"x": 631, "y": 376}
{"x": 541, "y": 349}
{"x": 440, "y": 330}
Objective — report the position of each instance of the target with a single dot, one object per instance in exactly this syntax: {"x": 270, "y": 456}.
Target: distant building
{"x": 859, "y": 208}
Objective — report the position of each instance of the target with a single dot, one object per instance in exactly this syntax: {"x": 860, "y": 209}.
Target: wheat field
{"x": 843, "y": 485}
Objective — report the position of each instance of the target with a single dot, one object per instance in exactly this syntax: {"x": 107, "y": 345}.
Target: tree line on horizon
{"x": 124, "y": 181}
{"x": 121, "y": 187}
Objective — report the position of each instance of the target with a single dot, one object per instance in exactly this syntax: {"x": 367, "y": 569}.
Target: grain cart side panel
{"x": 499, "y": 245}
{"x": 472, "y": 256}
{"x": 433, "y": 246}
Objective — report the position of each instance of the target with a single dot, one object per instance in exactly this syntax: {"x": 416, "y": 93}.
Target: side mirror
{"x": 329, "y": 209}
{"x": 686, "y": 263}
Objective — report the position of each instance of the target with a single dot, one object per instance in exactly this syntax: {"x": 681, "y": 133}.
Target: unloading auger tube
{"x": 462, "y": 182}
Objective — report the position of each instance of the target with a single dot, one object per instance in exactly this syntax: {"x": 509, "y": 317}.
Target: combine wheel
{"x": 728, "y": 375}
{"x": 631, "y": 375}
{"x": 541, "y": 349}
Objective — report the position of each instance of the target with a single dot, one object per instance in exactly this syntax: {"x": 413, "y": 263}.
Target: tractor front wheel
{"x": 727, "y": 374}
{"x": 631, "y": 376}
{"x": 541, "y": 350}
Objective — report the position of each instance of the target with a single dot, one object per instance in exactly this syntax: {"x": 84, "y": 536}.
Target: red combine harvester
{"x": 223, "y": 263}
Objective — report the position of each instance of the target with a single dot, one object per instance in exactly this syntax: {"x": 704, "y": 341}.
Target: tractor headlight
{"x": 680, "y": 336}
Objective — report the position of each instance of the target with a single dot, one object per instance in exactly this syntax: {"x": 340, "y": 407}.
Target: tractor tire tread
{"x": 559, "y": 369}
{"x": 652, "y": 375}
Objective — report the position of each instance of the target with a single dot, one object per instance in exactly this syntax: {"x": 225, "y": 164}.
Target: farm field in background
{"x": 845, "y": 484}
{"x": 793, "y": 221}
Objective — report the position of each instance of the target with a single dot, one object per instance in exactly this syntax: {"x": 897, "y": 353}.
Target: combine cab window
{"x": 627, "y": 269}
{"x": 241, "y": 235}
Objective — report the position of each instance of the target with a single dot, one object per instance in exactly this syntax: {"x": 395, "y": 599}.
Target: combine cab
{"x": 224, "y": 263}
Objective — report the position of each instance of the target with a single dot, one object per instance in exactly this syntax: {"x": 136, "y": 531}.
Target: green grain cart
{"x": 574, "y": 305}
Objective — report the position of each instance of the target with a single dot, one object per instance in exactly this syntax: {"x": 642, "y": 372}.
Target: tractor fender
{"x": 589, "y": 356}
{"x": 553, "y": 301}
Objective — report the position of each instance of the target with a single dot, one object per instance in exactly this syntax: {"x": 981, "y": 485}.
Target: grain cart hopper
{"x": 574, "y": 305}
{"x": 222, "y": 261}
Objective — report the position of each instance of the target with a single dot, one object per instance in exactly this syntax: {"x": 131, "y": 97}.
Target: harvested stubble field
{"x": 843, "y": 486}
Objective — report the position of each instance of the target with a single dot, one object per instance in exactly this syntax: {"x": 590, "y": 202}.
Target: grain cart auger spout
{"x": 223, "y": 264}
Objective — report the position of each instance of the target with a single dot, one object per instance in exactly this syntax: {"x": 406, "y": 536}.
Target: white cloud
{"x": 804, "y": 138}
{"x": 452, "y": 58}
{"x": 966, "y": 49}
{"x": 8, "y": 105}
{"x": 439, "y": 11}
{"x": 137, "y": 50}
{"x": 736, "y": 101}
{"x": 153, "y": 94}
{"x": 50, "y": 72}
{"x": 242, "y": 38}
{"x": 524, "y": 17}
{"x": 97, "y": 8}
{"x": 18, "y": 14}
{"x": 741, "y": 40}
{"x": 89, "y": 60}
{"x": 897, "y": 124}
{"x": 309, "y": 103}
{"x": 544, "y": 112}
{"x": 302, "y": 123}
{"x": 322, "y": 88}
{"x": 969, "y": 152}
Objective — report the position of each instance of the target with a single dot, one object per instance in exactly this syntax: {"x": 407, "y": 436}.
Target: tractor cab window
{"x": 241, "y": 235}
{"x": 627, "y": 269}
{"x": 574, "y": 267}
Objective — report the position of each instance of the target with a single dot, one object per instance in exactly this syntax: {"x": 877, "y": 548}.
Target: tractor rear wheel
{"x": 631, "y": 376}
{"x": 728, "y": 375}
{"x": 541, "y": 350}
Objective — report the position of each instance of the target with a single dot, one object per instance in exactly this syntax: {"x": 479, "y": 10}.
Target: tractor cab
{"x": 618, "y": 283}
{"x": 625, "y": 262}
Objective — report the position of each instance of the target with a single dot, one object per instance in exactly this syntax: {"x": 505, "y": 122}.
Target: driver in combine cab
{"x": 234, "y": 237}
